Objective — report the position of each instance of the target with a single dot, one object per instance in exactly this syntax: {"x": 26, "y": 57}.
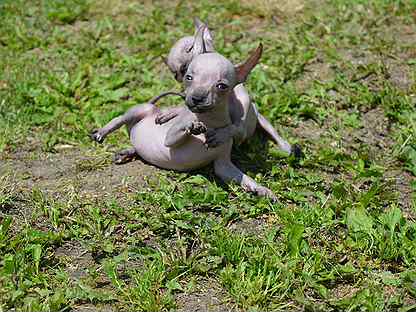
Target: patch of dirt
{"x": 78, "y": 259}
{"x": 93, "y": 308}
{"x": 267, "y": 7}
{"x": 256, "y": 227}
{"x": 309, "y": 130}
{"x": 87, "y": 174}
{"x": 357, "y": 56}
{"x": 397, "y": 71}
{"x": 401, "y": 184}
{"x": 405, "y": 37}
{"x": 206, "y": 295}
{"x": 408, "y": 300}
{"x": 374, "y": 131}
{"x": 317, "y": 70}
{"x": 344, "y": 291}
{"x": 400, "y": 75}
{"x": 118, "y": 9}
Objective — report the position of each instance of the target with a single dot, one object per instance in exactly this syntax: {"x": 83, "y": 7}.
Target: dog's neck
{"x": 219, "y": 117}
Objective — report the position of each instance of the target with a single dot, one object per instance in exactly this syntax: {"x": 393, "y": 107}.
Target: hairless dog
{"x": 179, "y": 143}
{"x": 244, "y": 115}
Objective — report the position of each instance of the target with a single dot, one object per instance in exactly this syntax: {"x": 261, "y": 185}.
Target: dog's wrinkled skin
{"x": 179, "y": 143}
{"x": 244, "y": 115}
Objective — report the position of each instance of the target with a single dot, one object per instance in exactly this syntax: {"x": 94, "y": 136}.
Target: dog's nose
{"x": 198, "y": 99}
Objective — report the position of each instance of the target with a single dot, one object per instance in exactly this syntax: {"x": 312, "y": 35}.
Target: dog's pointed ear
{"x": 208, "y": 39}
{"x": 198, "y": 23}
{"x": 209, "y": 42}
{"x": 243, "y": 69}
{"x": 201, "y": 45}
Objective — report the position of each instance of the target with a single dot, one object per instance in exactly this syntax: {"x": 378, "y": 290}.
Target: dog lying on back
{"x": 180, "y": 143}
{"x": 243, "y": 112}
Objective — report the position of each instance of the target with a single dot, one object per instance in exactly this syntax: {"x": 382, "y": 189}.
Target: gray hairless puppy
{"x": 179, "y": 143}
{"x": 244, "y": 115}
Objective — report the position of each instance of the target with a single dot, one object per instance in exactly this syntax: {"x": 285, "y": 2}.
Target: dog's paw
{"x": 124, "y": 156}
{"x": 97, "y": 136}
{"x": 265, "y": 192}
{"x": 196, "y": 128}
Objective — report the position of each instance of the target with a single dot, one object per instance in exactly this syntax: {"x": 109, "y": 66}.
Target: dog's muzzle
{"x": 198, "y": 100}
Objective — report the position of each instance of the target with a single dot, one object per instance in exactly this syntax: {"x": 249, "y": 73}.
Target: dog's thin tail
{"x": 155, "y": 99}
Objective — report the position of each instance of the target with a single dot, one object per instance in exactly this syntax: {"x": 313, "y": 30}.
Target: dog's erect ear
{"x": 209, "y": 43}
{"x": 243, "y": 69}
{"x": 208, "y": 39}
{"x": 201, "y": 45}
{"x": 198, "y": 23}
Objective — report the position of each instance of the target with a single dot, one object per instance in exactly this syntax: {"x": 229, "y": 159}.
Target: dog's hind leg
{"x": 125, "y": 156}
{"x": 228, "y": 172}
{"x": 131, "y": 117}
{"x": 267, "y": 127}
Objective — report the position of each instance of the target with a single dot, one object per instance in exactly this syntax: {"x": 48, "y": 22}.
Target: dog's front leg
{"x": 182, "y": 130}
{"x": 228, "y": 172}
{"x": 218, "y": 136}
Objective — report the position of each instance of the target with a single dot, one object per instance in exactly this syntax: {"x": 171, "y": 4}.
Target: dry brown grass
{"x": 272, "y": 7}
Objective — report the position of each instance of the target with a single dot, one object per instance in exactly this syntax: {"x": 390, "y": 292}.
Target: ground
{"x": 78, "y": 233}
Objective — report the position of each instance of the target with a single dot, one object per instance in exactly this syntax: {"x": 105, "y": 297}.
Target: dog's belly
{"x": 148, "y": 140}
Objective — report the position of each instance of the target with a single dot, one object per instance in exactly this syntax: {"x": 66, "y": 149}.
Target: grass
{"x": 337, "y": 77}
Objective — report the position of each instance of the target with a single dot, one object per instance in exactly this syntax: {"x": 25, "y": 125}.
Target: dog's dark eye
{"x": 183, "y": 69}
{"x": 188, "y": 77}
{"x": 222, "y": 86}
